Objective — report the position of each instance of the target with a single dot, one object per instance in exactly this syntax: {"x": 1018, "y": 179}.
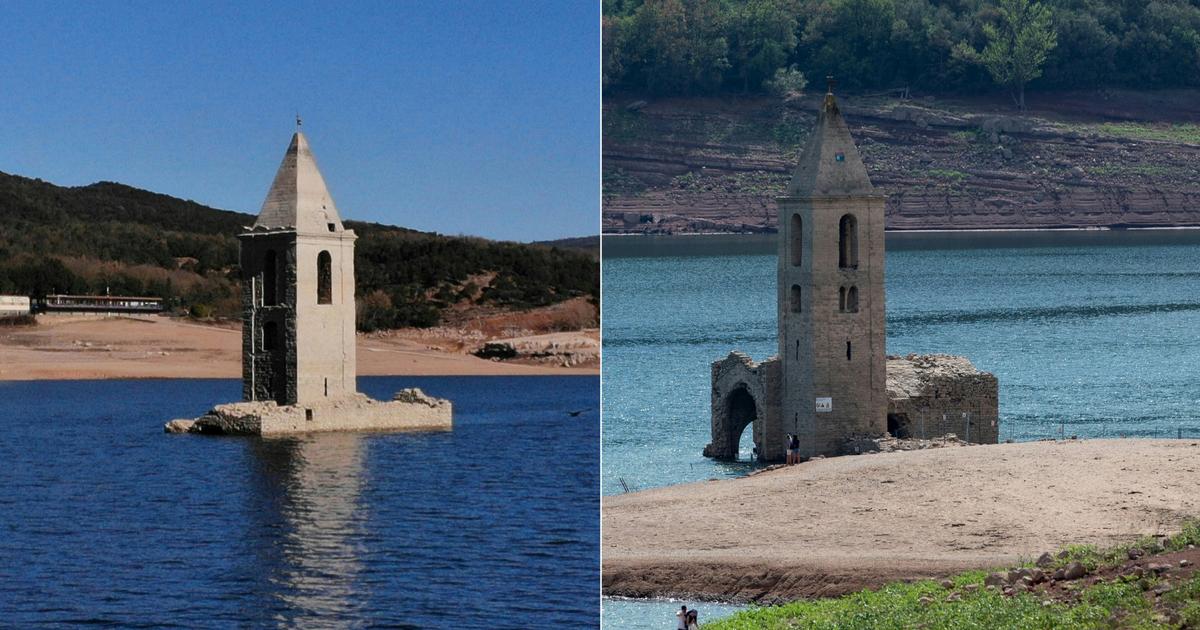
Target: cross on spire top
{"x": 831, "y": 82}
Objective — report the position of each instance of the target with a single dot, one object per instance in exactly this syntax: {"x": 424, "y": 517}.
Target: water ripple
{"x": 108, "y": 522}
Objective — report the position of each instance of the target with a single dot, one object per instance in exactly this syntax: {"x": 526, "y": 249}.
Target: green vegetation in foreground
{"x": 1120, "y": 602}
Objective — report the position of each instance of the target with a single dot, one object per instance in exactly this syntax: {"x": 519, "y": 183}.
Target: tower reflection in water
{"x": 311, "y": 525}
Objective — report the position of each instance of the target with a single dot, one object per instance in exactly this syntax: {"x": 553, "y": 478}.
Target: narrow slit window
{"x": 842, "y": 299}
{"x": 324, "y": 278}
{"x": 847, "y": 350}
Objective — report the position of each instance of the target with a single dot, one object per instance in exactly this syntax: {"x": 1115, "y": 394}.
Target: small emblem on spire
{"x": 831, "y": 82}
{"x": 298, "y": 122}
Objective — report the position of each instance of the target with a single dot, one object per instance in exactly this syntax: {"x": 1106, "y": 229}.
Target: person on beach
{"x": 788, "y": 446}
{"x": 693, "y": 620}
{"x": 681, "y": 618}
{"x": 793, "y": 454}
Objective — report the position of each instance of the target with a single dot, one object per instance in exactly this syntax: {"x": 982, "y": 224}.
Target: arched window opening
{"x": 324, "y": 278}
{"x": 797, "y": 246}
{"x": 270, "y": 336}
{"x": 842, "y": 299}
{"x": 852, "y": 300}
{"x": 848, "y": 242}
{"x": 270, "y": 271}
{"x": 795, "y": 298}
{"x": 847, "y": 350}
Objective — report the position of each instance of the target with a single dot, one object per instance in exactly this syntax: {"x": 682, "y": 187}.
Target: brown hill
{"x": 1106, "y": 158}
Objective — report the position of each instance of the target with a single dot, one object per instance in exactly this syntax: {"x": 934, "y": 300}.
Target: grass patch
{"x": 967, "y": 137}
{"x": 1120, "y": 603}
{"x": 947, "y": 174}
{"x": 1187, "y": 133}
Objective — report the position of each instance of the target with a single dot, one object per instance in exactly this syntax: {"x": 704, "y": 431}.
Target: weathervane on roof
{"x": 298, "y": 123}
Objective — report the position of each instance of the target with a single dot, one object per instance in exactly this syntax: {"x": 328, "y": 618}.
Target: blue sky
{"x": 460, "y": 117}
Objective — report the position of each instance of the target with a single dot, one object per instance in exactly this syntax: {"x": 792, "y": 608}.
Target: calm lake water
{"x": 1090, "y": 333}
{"x": 105, "y": 520}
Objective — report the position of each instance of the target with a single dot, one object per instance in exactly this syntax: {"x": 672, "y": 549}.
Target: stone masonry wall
{"x": 932, "y": 395}
{"x": 410, "y": 410}
{"x": 928, "y": 396}
{"x": 268, "y": 374}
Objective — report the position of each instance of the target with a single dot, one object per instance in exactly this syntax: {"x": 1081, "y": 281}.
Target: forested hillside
{"x": 969, "y": 114}
{"x": 698, "y": 47}
{"x": 111, "y": 237}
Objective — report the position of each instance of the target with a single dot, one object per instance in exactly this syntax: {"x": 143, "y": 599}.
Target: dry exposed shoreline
{"x": 161, "y": 347}
{"x": 833, "y": 526}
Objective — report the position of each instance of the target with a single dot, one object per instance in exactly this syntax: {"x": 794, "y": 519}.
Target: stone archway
{"x": 735, "y": 411}
{"x": 742, "y": 412}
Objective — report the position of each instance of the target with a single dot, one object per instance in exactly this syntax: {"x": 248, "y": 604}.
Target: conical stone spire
{"x": 830, "y": 165}
{"x": 298, "y": 197}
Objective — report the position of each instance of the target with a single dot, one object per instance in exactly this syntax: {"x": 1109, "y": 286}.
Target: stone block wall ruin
{"x": 928, "y": 396}
{"x": 933, "y": 395}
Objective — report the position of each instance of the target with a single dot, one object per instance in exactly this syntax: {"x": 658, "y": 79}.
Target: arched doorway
{"x": 742, "y": 412}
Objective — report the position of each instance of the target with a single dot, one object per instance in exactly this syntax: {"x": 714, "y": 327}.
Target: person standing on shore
{"x": 681, "y": 618}
{"x": 788, "y": 448}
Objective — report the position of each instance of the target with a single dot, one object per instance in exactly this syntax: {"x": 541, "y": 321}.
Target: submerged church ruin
{"x": 298, "y": 322}
{"x": 831, "y": 383}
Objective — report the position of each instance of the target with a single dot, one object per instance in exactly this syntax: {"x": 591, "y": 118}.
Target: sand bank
{"x": 160, "y": 347}
{"x": 837, "y": 525}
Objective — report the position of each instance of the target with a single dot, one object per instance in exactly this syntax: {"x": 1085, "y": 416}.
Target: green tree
{"x": 761, "y": 36}
{"x": 678, "y": 46}
{"x": 787, "y": 82}
{"x": 1016, "y": 47}
{"x": 852, "y": 40}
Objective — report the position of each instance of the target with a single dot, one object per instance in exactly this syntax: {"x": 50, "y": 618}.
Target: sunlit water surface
{"x": 105, "y": 520}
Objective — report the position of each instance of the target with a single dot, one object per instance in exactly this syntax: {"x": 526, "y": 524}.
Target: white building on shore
{"x": 14, "y": 305}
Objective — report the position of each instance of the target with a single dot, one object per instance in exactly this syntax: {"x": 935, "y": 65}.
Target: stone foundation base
{"x": 409, "y": 410}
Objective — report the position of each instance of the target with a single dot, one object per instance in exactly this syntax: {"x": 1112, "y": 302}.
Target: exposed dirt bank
{"x": 1109, "y": 158}
{"x": 160, "y": 347}
{"x": 833, "y": 526}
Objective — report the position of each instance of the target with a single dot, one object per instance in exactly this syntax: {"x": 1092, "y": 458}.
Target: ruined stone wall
{"x": 736, "y": 379}
{"x": 268, "y": 369}
{"x": 928, "y": 396}
{"x": 932, "y": 395}
{"x": 410, "y": 410}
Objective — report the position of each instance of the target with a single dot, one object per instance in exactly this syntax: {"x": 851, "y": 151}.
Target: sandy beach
{"x": 162, "y": 347}
{"x": 832, "y": 526}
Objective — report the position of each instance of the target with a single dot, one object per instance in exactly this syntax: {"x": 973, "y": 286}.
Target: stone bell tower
{"x": 831, "y": 293}
{"x": 298, "y": 290}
